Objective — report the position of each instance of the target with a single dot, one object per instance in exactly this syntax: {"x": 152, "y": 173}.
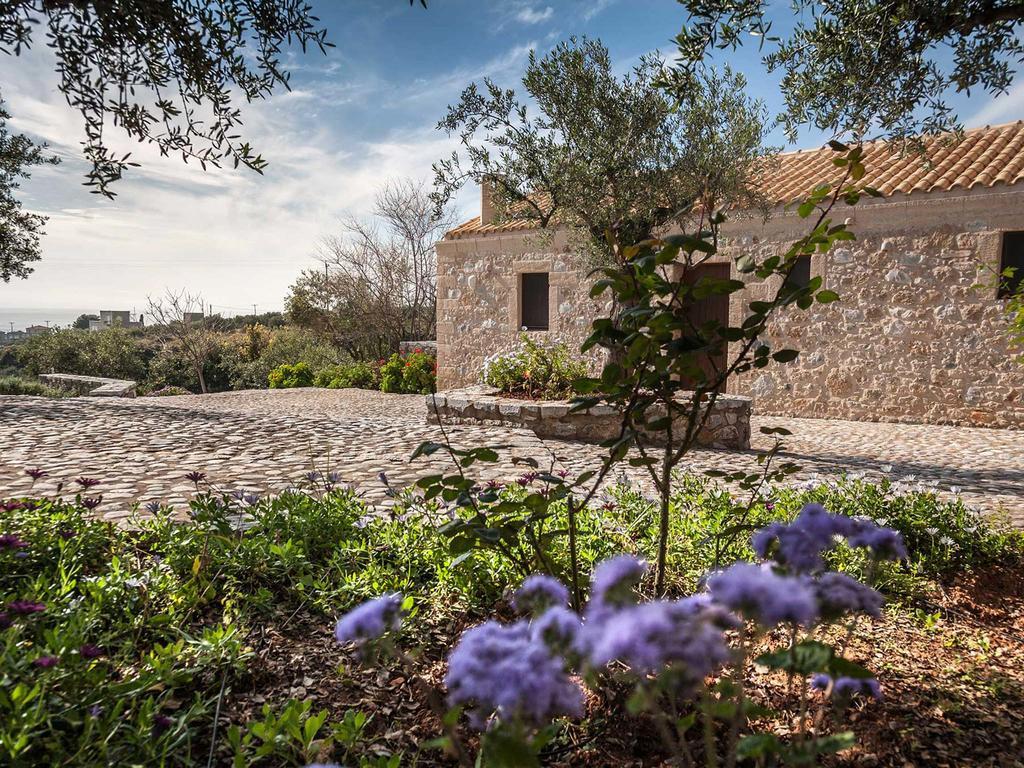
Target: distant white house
{"x": 115, "y": 318}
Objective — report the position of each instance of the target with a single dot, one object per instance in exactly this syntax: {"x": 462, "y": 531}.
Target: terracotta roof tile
{"x": 984, "y": 158}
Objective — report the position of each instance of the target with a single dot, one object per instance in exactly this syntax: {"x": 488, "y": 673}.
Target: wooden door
{"x": 710, "y": 308}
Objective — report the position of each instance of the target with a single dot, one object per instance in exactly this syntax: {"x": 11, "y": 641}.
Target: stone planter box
{"x": 728, "y": 425}
{"x": 91, "y": 386}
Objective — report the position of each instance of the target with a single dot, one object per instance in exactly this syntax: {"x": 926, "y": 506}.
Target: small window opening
{"x": 1012, "y": 261}
{"x": 534, "y": 301}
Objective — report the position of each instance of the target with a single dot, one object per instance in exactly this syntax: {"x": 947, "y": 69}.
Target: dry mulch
{"x": 952, "y": 674}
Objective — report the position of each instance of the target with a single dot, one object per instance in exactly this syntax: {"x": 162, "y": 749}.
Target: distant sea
{"x": 22, "y": 317}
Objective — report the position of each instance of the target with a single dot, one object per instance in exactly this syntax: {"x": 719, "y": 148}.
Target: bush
{"x": 20, "y": 385}
{"x": 289, "y": 376}
{"x": 114, "y": 352}
{"x": 415, "y": 373}
{"x": 535, "y": 371}
{"x": 167, "y": 392}
{"x": 250, "y": 357}
{"x": 344, "y": 375}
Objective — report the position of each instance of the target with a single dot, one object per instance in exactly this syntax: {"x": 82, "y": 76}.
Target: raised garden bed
{"x": 728, "y": 426}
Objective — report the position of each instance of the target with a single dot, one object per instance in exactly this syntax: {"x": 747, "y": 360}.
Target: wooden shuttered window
{"x": 533, "y": 302}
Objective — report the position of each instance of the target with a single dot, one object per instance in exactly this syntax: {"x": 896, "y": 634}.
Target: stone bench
{"x": 91, "y": 386}
{"x": 728, "y": 425}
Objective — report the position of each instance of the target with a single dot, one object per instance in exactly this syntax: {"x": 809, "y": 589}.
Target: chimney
{"x": 486, "y": 200}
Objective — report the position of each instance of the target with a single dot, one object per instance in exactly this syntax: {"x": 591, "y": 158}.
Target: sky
{"x": 363, "y": 113}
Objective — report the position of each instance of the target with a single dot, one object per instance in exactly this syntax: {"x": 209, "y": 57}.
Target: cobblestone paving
{"x": 264, "y": 441}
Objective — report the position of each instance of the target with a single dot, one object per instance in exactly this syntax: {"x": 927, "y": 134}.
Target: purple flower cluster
{"x": 503, "y": 671}
{"x": 613, "y": 584}
{"x": 558, "y": 628}
{"x": 12, "y": 541}
{"x": 538, "y": 593}
{"x": 799, "y": 545}
{"x": 370, "y": 620}
{"x": 758, "y": 592}
{"x": 648, "y": 638}
{"x": 847, "y": 687}
{"x": 838, "y": 594}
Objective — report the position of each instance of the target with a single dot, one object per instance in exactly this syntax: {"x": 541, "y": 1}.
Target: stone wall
{"x": 478, "y": 284}
{"x": 912, "y": 339}
{"x": 728, "y": 425}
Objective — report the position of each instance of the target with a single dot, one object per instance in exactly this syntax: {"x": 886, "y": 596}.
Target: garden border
{"x": 728, "y": 425}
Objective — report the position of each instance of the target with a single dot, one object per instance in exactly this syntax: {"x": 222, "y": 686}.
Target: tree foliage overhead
{"x": 166, "y": 72}
{"x": 868, "y": 67}
{"x": 605, "y": 152}
{"x": 19, "y": 229}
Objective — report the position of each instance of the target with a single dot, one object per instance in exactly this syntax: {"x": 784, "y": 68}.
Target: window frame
{"x": 544, "y": 294}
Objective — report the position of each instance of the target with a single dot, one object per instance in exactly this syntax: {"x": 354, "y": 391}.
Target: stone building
{"x": 914, "y": 338}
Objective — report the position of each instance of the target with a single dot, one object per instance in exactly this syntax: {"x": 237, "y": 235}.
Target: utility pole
{"x": 253, "y": 311}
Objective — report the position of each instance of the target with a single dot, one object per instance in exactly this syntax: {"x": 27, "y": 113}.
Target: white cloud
{"x": 595, "y": 7}
{"x": 533, "y": 15}
{"x": 1000, "y": 109}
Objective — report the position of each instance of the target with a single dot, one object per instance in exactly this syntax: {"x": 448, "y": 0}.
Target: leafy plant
{"x": 359, "y": 375}
{"x": 535, "y": 370}
{"x": 414, "y": 373}
{"x": 22, "y": 385}
{"x": 288, "y": 376}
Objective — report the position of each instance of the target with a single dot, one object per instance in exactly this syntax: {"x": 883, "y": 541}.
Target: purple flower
{"x": 847, "y": 687}
{"x": 613, "y": 583}
{"x": 650, "y": 637}
{"x": 5, "y": 620}
{"x": 821, "y": 682}
{"x": 91, "y": 502}
{"x": 25, "y": 607}
{"x": 838, "y": 594}
{"x": 562, "y": 473}
{"x": 558, "y": 628}
{"x": 95, "y": 710}
{"x": 45, "y": 662}
{"x": 527, "y": 478}
{"x": 87, "y": 482}
{"x": 67, "y": 533}
{"x": 760, "y": 593}
{"x": 312, "y": 477}
{"x": 504, "y": 671}
{"x": 161, "y": 723}
{"x": 196, "y": 476}
{"x": 333, "y": 478}
{"x": 801, "y": 543}
{"x": 370, "y": 620}
{"x": 90, "y": 651}
{"x": 36, "y": 473}
{"x": 538, "y": 593}
{"x": 884, "y": 543}
{"x": 251, "y": 498}
{"x": 238, "y": 494}
{"x": 12, "y": 541}
{"x": 153, "y": 507}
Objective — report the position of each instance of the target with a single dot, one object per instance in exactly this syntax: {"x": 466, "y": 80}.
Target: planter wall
{"x": 728, "y": 425}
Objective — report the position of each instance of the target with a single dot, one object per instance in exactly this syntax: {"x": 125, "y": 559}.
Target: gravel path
{"x": 266, "y": 440}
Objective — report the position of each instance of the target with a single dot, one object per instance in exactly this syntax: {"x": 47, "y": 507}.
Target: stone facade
{"x": 92, "y": 386}
{"x": 728, "y": 425}
{"x": 478, "y": 299}
{"x": 913, "y": 339}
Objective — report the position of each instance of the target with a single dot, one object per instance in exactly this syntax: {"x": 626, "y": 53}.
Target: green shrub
{"x": 359, "y": 375}
{"x": 414, "y": 373}
{"x": 21, "y": 385}
{"x": 289, "y": 376}
{"x": 535, "y": 371}
{"x": 114, "y": 352}
{"x": 249, "y": 357}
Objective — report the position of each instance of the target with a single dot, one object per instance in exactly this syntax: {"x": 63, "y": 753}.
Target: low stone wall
{"x": 728, "y": 426}
{"x": 91, "y": 386}
{"x": 408, "y": 347}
